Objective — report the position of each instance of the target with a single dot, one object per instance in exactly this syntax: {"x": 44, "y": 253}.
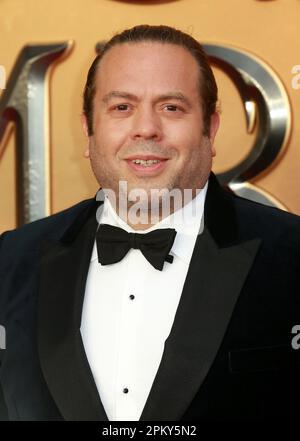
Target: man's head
{"x": 151, "y": 92}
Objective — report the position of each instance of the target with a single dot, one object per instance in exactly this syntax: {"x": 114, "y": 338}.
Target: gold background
{"x": 268, "y": 29}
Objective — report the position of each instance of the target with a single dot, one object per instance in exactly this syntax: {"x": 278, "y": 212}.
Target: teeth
{"x": 146, "y": 162}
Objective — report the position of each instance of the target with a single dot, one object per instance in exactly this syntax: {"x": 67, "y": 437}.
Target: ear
{"x": 214, "y": 125}
{"x": 85, "y": 130}
{"x": 84, "y": 124}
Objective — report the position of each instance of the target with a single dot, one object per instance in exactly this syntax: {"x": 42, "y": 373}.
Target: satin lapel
{"x": 215, "y": 278}
{"x": 208, "y": 298}
{"x": 64, "y": 269}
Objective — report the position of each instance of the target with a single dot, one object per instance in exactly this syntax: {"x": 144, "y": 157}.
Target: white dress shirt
{"x": 129, "y": 309}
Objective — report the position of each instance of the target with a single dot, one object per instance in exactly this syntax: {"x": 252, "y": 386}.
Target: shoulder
{"x": 270, "y": 223}
{"x": 52, "y": 227}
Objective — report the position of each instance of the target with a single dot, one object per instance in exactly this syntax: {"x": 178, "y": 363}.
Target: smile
{"x": 143, "y": 167}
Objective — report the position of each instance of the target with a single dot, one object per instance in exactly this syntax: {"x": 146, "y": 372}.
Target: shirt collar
{"x": 187, "y": 221}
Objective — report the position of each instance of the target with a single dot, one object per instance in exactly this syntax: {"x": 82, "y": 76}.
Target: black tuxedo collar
{"x": 219, "y": 214}
{"x": 203, "y": 314}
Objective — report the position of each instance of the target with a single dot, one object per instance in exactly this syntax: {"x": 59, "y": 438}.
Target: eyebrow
{"x": 166, "y": 96}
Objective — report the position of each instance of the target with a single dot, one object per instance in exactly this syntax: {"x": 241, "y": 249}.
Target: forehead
{"x": 148, "y": 66}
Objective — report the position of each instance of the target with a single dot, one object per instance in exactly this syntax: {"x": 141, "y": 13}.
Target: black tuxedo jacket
{"x": 229, "y": 353}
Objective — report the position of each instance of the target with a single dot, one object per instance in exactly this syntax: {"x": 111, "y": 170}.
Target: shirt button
{"x": 131, "y": 296}
{"x": 125, "y": 390}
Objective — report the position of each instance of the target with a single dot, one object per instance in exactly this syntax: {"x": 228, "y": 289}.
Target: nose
{"x": 146, "y": 124}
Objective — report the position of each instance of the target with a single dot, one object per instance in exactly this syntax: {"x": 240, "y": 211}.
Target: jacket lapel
{"x": 63, "y": 273}
{"x": 208, "y": 298}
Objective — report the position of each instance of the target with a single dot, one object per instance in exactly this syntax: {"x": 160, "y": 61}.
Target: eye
{"x": 121, "y": 107}
{"x": 172, "y": 108}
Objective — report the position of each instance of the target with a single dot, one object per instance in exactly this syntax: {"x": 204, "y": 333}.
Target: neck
{"x": 141, "y": 216}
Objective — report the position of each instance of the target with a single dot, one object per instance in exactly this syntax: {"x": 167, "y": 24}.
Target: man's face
{"x": 147, "y": 104}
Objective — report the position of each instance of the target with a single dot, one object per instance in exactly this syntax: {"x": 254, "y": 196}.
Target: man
{"x": 111, "y": 316}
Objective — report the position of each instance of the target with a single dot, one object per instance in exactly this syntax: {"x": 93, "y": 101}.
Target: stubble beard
{"x": 123, "y": 190}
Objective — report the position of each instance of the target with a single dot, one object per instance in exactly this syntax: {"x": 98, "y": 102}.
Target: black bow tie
{"x": 113, "y": 243}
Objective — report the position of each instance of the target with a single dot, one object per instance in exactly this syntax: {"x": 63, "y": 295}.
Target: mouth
{"x": 145, "y": 165}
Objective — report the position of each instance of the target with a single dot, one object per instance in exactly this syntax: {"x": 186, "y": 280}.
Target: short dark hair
{"x": 161, "y": 34}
